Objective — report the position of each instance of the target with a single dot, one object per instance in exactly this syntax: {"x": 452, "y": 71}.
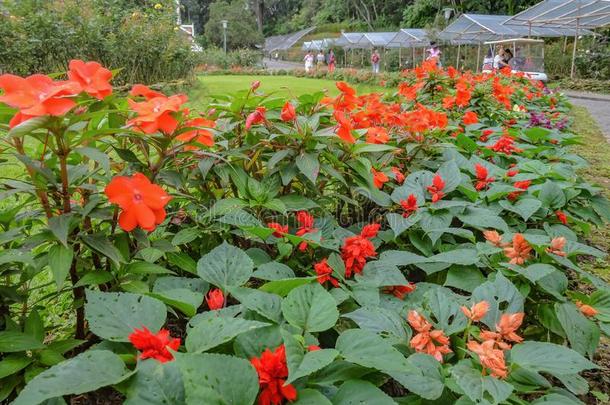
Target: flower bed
{"x": 383, "y": 248}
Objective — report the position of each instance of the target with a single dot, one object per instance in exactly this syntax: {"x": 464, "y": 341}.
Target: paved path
{"x": 273, "y": 64}
{"x": 597, "y": 104}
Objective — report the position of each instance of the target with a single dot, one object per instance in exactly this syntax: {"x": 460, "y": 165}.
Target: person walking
{"x": 331, "y": 61}
{"x": 434, "y": 52}
{"x": 375, "y": 60}
{"x": 320, "y": 60}
{"x": 308, "y": 59}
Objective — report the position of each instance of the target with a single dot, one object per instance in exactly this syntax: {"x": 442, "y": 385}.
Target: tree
{"x": 242, "y": 31}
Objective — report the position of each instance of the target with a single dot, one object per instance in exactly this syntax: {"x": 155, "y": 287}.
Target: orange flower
{"x": 345, "y": 127}
{"x": 399, "y": 291}
{"x": 409, "y": 92}
{"x": 586, "y": 310}
{"x": 557, "y": 245}
{"x": 520, "y": 250}
{"x": 377, "y": 135}
{"x": 156, "y": 114}
{"x": 493, "y": 237}
{"x": 521, "y": 186}
{"x": 477, "y": 311}
{"x": 256, "y": 117}
{"x": 288, "y": 112}
{"x": 490, "y": 358}
{"x": 427, "y": 340}
{"x": 36, "y": 96}
{"x": 279, "y": 230}
{"x": 139, "y": 90}
{"x": 379, "y": 178}
{"x": 398, "y": 176}
{"x": 470, "y": 117}
{"x": 508, "y": 325}
{"x": 201, "y": 136}
{"x": 93, "y": 78}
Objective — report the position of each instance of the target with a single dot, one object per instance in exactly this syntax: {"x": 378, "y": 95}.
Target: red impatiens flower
{"x": 436, "y": 188}
{"x": 428, "y": 340}
{"x": 215, "y": 299}
{"x": 470, "y": 117}
{"x": 409, "y": 205}
{"x": 399, "y": 291}
{"x": 139, "y": 90}
{"x": 344, "y": 127}
{"x": 521, "y": 186}
{"x": 305, "y": 220}
{"x": 156, "y": 114}
{"x": 272, "y": 373}
{"x": 201, "y": 136}
{"x": 93, "y": 78}
{"x": 356, "y": 249}
{"x": 256, "y": 117}
{"x": 482, "y": 177}
{"x": 377, "y": 135}
{"x": 36, "y": 96}
{"x": 400, "y": 178}
{"x": 379, "y": 178}
{"x": 279, "y": 229}
{"x": 142, "y": 202}
{"x": 562, "y": 217}
{"x": 288, "y": 112}
{"x": 324, "y": 273}
{"x": 154, "y": 346}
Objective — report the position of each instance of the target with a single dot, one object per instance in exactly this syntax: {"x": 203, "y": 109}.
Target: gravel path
{"x": 273, "y": 64}
{"x": 597, "y": 104}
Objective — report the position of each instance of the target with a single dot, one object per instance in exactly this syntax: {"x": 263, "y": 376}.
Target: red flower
{"x": 485, "y": 135}
{"x": 512, "y": 172}
{"x": 345, "y": 127}
{"x": 324, "y": 273}
{"x": 201, "y": 136}
{"x": 215, "y": 299}
{"x": 93, "y": 78}
{"x": 356, "y": 249}
{"x": 272, "y": 373}
{"x": 379, "y": 178}
{"x": 436, "y": 188}
{"x": 409, "y": 92}
{"x": 409, "y": 205}
{"x": 279, "y": 229}
{"x": 562, "y": 217}
{"x": 256, "y": 117}
{"x": 139, "y": 90}
{"x": 505, "y": 145}
{"x": 36, "y": 96}
{"x": 305, "y": 220}
{"x": 400, "y": 178}
{"x": 377, "y": 135}
{"x": 313, "y": 348}
{"x": 154, "y": 346}
{"x": 522, "y": 186}
{"x": 156, "y": 114}
{"x": 142, "y": 202}
{"x": 470, "y": 117}
{"x": 288, "y": 112}
{"x": 399, "y": 291}
{"x": 255, "y": 85}
{"x": 482, "y": 179}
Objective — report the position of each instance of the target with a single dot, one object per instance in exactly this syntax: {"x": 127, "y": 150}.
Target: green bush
{"x": 142, "y": 41}
{"x": 216, "y": 57}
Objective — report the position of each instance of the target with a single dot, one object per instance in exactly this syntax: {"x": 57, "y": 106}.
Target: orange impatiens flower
{"x": 399, "y": 291}
{"x": 557, "y": 245}
{"x": 493, "y": 237}
{"x": 519, "y": 251}
{"x": 288, "y": 112}
{"x": 410, "y": 92}
{"x": 344, "y": 127}
{"x": 93, "y": 78}
{"x": 156, "y": 114}
{"x": 586, "y": 310}
{"x": 477, "y": 311}
{"x": 470, "y": 117}
{"x": 379, "y": 178}
{"x": 377, "y": 135}
{"x": 201, "y": 136}
{"x": 142, "y": 202}
{"x": 490, "y": 357}
{"x": 36, "y": 96}
{"x": 428, "y": 340}
{"x": 258, "y": 116}
{"x": 436, "y": 188}
{"x": 139, "y": 90}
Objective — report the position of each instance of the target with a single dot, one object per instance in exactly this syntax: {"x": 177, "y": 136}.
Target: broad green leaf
{"x": 253, "y": 343}
{"x": 185, "y": 235}
{"x": 536, "y": 271}
{"x": 217, "y": 379}
{"x": 84, "y": 373}
{"x": 549, "y": 358}
{"x": 379, "y": 273}
{"x": 354, "y": 392}
{"x": 311, "y": 308}
{"x": 273, "y": 271}
{"x": 155, "y": 383}
{"x": 142, "y": 267}
{"x": 60, "y": 226}
{"x": 582, "y": 333}
{"x": 556, "y": 399}
{"x": 94, "y": 278}
{"x": 114, "y": 316}
{"x": 283, "y": 287}
{"x": 14, "y": 341}
{"x": 401, "y": 258}
{"x": 368, "y": 349}
{"x": 551, "y": 195}
{"x": 446, "y": 310}
{"x": 480, "y": 389}
{"x": 28, "y": 126}
{"x": 309, "y": 396}
{"x": 13, "y": 363}
{"x": 183, "y": 261}
{"x": 211, "y": 332}
{"x": 451, "y": 175}
{"x": 482, "y": 218}
{"x": 500, "y": 293}
{"x": 312, "y": 362}
{"x": 266, "y": 304}
{"x": 294, "y": 202}
{"x": 383, "y": 321}
{"x": 462, "y": 257}
{"x": 465, "y": 278}
{"x": 225, "y": 266}
{"x": 423, "y": 377}
{"x": 525, "y": 207}
{"x": 100, "y": 243}
{"x": 399, "y": 224}
{"x": 309, "y": 165}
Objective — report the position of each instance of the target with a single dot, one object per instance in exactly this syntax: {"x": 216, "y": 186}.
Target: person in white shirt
{"x": 308, "y": 59}
{"x": 320, "y": 59}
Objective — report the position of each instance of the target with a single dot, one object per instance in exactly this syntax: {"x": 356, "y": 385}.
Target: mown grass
{"x": 596, "y": 150}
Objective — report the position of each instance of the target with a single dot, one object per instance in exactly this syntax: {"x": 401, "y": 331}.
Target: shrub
{"x": 212, "y": 58}
{"x": 408, "y": 247}
{"x": 143, "y": 42}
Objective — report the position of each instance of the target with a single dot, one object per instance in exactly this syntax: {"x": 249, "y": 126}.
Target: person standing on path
{"x": 375, "y": 60}
{"x": 331, "y": 61}
{"x": 320, "y": 60}
{"x": 308, "y": 59}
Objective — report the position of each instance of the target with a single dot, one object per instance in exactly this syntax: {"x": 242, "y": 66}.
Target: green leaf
{"x": 385, "y": 322}
{"x": 28, "y": 126}
{"x": 463, "y": 257}
{"x": 446, "y": 310}
{"x": 399, "y": 224}
{"x": 211, "y": 332}
{"x": 265, "y": 304}
{"x": 183, "y": 261}
{"x": 482, "y": 218}
{"x": 309, "y": 165}
{"x": 100, "y": 243}
{"x": 525, "y": 207}
{"x": 312, "y": 362}
{"x": 155, "y": 383}
{"x": 582, "y": 333}
{"x": 379, "y": 273}
{"x": 217, "y": 379}
{"x": 225, "y": 266}
{"x": 464, "y": 278}
{"x": 185, "y": 235}
{"x": 114, "y": 316}
{"x": 309, "y": 396}
{"x": 311, "y": 308}
{"x": 354, "y": 392}
{"x": 94, "y": 278}
{"x": 224, "y": 206}
{"x": 284, "y": 286}
{"x": 368, "y": 349}
{"x": 556, "y": 399}
{"x": 295, "y": 202}
{"x": 551, "y": 195}
{"x": 141, "y": 267}
{"x": 13, "y": 363}
{"x": 14, "y": 341}
{"x": 450, "y": 172}
{"x": 480, "y": 389}
{"x": 84, "y": 373}
{"x": 34, "y": 326}
{"x": 423, "y": 377}
{"x": 549, "y": 358}
{"x": 273, "y": 271}
{"x": 498, "y": 293}
{"x": 537, "y": 133}
{"x": 185, "y": 294}
{"x": 536, "y": 271}
{"x": 60, "y": 226}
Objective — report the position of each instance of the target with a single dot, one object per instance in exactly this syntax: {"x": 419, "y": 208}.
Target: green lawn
{"x": 283, "y": 86}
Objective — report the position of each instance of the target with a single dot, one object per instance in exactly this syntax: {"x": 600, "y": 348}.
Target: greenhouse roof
{"x": 409, "y": 37}
{"x": 349, "y": 39}
{"x": 565, "y": 13}
{"x": 283, "y": 42}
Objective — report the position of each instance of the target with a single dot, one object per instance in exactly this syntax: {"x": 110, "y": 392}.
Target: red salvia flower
{"x": 272, "y": 373}
{"x": 482, "y": 177}
{"x": 562, "y": 217}
{"x": 288, "y": 112}
{"x": 215, "y": 299}
{"x": 154, "y": 346}
{"x": 305, "y": 220}
{"x": 505, "y": 144}
{"x": 324, "y": 273}
{"x": 256, "y": 117}
{"x": 141, "y": 201}
{"x": 356, "y": 249}
{"x": 521, "y": 186}
{"x": 93, "y": 78}
{"x": 279, "y": 229}
{"x": 485, "y": 135}
{"x": 409, "y": 205}
{"x": 436, "y": 189}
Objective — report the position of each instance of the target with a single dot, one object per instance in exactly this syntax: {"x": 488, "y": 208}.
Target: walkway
{"x": 597, "y": 104}
{"x": 273, "y": 64}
